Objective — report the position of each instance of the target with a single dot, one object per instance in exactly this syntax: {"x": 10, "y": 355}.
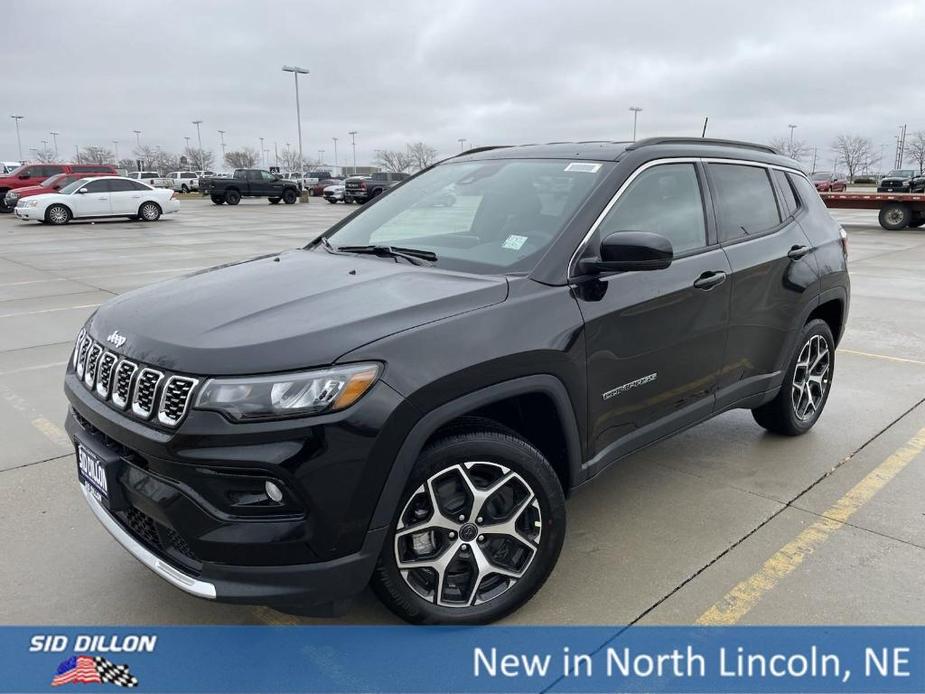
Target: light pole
{"x": 202, "y": 164}
{"x": 54, "y": 136}
{"x": 635, "y": 110}
{"x": 353, "y": 143}
{"x": 276, "y": 153}
{"x": 18, "y": 140}
{"x": 222, "y": 134}
{"x": 77, "y": 153}
{"x": 296, "y": 71}
{"x": 462, "y": 144}
{"x": 116, "y": 145}
{"x": 261, "y": 151}
{"x": 137, "y": 138}
{"x": 335, "y": 155}
{"x": 44, "y": 147}
{"x": 792, "y": 128}
{"x": 320, "y": 158}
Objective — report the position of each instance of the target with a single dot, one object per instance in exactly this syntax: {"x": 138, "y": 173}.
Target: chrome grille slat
{"x": 145, "y": 391}
{"x": 92, "y": 364}
{"x": 175, "y": 399}
{"x": 122, "y": 389}
{"x": 82, "y": 356}
{"x": 104, "y": 374}
{"x": 77, "y": 343}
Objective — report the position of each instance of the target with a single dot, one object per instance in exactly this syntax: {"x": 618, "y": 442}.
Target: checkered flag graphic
{"x": 115, "y": 674}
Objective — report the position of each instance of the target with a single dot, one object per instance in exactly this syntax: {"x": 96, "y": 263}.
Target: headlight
{"x": 30, "y": 203}
{"x": 288, "y": 395}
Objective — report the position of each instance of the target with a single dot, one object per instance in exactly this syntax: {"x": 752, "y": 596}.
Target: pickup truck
{"x": 249, "y": 183}
{"x": 152, "y": 178}
{"x": 359, "y": 189}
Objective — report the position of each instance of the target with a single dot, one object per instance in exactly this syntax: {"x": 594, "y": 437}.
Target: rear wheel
{"x": 918, "y": 219}
{"x": 289, "y": 196}
{"x": 232, "y": 197}
{"x": 184, "y": 188}
{"x": 57, "y": 214}
{"x": 149, "y": 212}
{"x": 807, "y": 383}
{"x": 895, "y": 216}
{"x": 477, "y": 532}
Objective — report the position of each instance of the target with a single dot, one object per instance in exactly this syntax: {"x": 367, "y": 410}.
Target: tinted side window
{"x": 117, "y": 185}
{"x": 789, "y": 198}
{"x": 744, "y": 200}
{"x": 666, "y": 200}
{"x": 806, "y": 191}
{"x": 51, "y": 170}
{"x": 101, "y": 186}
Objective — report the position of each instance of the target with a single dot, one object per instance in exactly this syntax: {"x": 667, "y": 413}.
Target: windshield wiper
{"x": 414, "y": 256}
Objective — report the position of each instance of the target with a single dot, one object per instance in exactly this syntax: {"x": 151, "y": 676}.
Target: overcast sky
{"x": 489, "y": 71}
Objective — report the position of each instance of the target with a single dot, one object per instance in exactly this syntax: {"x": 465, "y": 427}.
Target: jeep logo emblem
{"x": 116, "y": 339}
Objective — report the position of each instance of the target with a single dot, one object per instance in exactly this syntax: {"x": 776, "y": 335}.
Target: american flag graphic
{"x": 87, "y": 669}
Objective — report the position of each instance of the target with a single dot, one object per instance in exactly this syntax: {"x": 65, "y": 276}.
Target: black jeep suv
{"x": 409, "y": 399}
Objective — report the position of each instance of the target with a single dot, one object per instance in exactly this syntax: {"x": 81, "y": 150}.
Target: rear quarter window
{"x": 744, "y": 200}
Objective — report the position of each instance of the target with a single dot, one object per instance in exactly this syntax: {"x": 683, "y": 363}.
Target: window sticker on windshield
{"x": 514, "y": 242}
{"x": 583, "y": 167}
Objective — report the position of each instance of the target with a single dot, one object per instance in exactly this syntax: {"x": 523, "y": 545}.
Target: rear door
{"x": 125, "y": 196}
{"x": 772, "y": 269}
{"x": 655, "y": 339}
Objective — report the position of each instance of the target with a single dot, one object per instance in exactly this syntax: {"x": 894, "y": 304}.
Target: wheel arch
{"x": 499, "y": 402}
{"x": 832, "y": 311}
{"x": 59, "y": 204}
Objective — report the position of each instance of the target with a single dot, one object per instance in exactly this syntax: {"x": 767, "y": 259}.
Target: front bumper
{"x": 29, "y": 213}
{"x": 897, "y": 188}
{"x": 177, "y": 520}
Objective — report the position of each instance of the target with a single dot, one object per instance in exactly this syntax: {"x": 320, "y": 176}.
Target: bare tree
{"x": 92, "y": 154}
{"x": 420, "y": 156}
{"x": 289, "y": 160}
{"x": 915, "y": 149}
{"x": 147, "y": 155}
{"x": 201, "y": 159}
{"x": 854, "y": 151}
{"x": 45, "y": 155}
{"x": 244, "y": 158}
{"x": 127, "y": 164}
{"x": 795, "y": 150}
{"x": 392, "y": 160}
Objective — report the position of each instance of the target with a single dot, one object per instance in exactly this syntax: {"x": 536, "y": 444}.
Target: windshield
{"x": 902, "y": 173}
{"x": 71, "y": 187}
{"x": 49, "y": 182}
{"x": 821, "y": 176}
{"x": 480, "y": 216}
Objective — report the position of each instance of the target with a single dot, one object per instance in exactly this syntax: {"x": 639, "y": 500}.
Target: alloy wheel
{"x": 57, "y": 215}
{"x": 468, "y": 534}
{"x": 811, "y": 377}
{"x": 149, "y": 212}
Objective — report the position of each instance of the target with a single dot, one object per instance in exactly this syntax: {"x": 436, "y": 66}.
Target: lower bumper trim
{"x": 169, "y": 573}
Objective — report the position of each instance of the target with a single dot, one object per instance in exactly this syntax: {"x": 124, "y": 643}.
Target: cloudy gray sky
{"x": 492, "y": 71}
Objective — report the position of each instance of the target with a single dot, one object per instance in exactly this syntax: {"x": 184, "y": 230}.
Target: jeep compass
{"x": 409, "y": 399}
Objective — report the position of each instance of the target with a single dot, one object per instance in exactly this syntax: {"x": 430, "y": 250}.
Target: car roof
{"x": 605, "y": 150}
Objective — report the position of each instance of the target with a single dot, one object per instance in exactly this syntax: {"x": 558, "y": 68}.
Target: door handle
{"x": 710, "y": 279}
{"x": 797, "y": 252}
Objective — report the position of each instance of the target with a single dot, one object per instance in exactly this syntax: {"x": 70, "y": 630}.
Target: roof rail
{"x": 700, "y": 141}
{"x": 476, "y": 150}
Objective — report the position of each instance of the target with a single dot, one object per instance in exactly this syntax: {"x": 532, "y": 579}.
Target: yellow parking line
{"x": 266, "y": 615}
{"x": 881, "y": 356}
{"x": 738, "y": 601}
{"x": 52, "y": 432}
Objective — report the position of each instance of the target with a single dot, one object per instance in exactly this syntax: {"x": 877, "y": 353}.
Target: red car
{"x": 35, "y": 174}
{"x": 49, "y": 185}
{"x": 827, "y": 182}
{"x": 318, "y": 188}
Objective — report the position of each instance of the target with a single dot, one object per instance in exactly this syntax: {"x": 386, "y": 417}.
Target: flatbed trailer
{"x": 897, "y": 210}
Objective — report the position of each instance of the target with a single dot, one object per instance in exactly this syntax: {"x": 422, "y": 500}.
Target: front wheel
{"x": 331, "y": 200}
{"x": 477, "y": 531}
{"x": 57, "y": 214}
{"x": 289, "y": 196}
{"x": 807, "y": 382}
{"x": 273, "y": 201}
{"x": 232, "y": 197}
{"x": 895, "y": 217}
{"x": 217, "y": 199}
{"x": 150, "y": 212}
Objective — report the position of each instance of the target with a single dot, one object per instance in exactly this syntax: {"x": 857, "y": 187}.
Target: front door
{"x": 94, "y": 202}
{"x": 655, "y": 339}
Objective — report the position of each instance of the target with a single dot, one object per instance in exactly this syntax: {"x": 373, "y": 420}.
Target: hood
{"x": 32, "y": 190}
{"x": 278, "y": 313}
{"x": 896, "y": 179}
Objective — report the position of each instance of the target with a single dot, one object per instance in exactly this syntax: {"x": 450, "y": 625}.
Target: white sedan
{"x": 109, "y": 196}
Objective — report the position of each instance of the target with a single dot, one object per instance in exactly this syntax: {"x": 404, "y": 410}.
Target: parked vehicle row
{"x": 902, "y": 181}
{"x": 99, "y": 196}
{"x": 35, "y": 174}
{"x": 49, "y": 185}
{"x": 829, "y": 182}
{"x": 152, "y": 178}
{"x": 249, "y": 183}
{"x": 359, "y": 189}
{"x": 184, "y": 181}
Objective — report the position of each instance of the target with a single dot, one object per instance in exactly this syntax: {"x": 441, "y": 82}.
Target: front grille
{"x": 175, "y": 399}
{"x": 143, "y": 527}
{"x": 159, "y": 538}
{"x": 179, "y": 544}
{"x": 146, "y": 391}
{"x": 140, "y": 389}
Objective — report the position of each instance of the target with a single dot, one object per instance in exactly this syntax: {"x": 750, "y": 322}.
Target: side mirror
{"x": 624, "y": 251}
{"x": 24, "y": 176}
{"x": 83, "y": 191}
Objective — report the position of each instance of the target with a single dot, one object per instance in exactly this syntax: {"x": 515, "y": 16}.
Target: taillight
{"x": 173, "y": 196}
{"x": 844, "y": 241}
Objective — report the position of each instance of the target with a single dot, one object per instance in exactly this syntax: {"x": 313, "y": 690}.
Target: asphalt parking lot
{"x": 723, "y": 523}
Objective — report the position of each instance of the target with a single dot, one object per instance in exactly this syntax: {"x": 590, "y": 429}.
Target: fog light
{"x": 274, "y": 492}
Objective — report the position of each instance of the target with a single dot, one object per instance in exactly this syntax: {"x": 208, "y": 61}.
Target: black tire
{"x": 375, "y": 193}
{"x": 895, "y": 216}
{"x": 331, "y": 200}
{"x": 57, "y": 214}
{"x": 274, "y": 201}
{"x": 290, "y": 196}
{"x": 149, "y": 212}
{"x": 232, "y": 197}
{"x": 497, "y": 450}
{"x": 184, "y": 188}
{"x": 218, "y": 199}
{"x": 781, "y": 415}
{"x": 918, "y": 219}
